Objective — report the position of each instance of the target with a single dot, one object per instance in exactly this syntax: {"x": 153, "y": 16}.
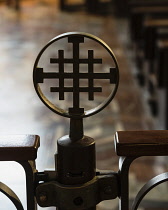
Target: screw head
{"x": 108, "y": 190}
{"x": 43, "y": 197}
{"x": 78, "y": 201}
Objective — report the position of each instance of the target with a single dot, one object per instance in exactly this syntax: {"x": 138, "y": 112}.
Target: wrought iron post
{"x": 75, "y": 158}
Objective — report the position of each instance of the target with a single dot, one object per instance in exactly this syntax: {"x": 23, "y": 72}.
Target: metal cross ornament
{"x": 75, "y": 159}
{"x": 75, "y": 184}
{"x": 76, "y": 112}
{"x": 75, "y": 39}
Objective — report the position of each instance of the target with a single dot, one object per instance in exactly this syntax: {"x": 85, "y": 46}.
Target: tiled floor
{"x": 22, "y": 36}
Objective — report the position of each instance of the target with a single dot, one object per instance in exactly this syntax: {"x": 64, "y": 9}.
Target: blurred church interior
{"x": 137, "y": 33}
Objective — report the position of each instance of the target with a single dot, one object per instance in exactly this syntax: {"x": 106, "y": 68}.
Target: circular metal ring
{"x": 58, "y": 110}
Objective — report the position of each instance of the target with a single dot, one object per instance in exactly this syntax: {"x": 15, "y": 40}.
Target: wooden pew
{"x": 142, "y": 3}
{"x": 64, "y": 5}
{"x": 155, "y": 71}
{"x": 149, "y": 24}
{"x": 153, "y": 29}
{"x": 161, "y": 75}
{"x": 151, "y": 32}
{"x": 138, "y": 16}
{"x": 91, "y": 6}
{"x": 123, "y": 7}
{"x": 139, "y": 11}
{"x": 13, "y": 3}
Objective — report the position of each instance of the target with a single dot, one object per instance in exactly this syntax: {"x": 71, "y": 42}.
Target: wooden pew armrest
{"x": 141, "y": 143}
{"x": 18, "y": 147}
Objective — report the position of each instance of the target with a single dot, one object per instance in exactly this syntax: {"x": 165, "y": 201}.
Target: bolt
{"x": 78, "y": 201}
{"x": 108, "y": 190}
{"x": 43, "y": 197}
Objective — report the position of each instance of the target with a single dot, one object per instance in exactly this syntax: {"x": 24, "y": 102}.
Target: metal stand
{"x": 124, "y": 165}
{"x": 74, "y": 183}
{"x": 76, "y": 163}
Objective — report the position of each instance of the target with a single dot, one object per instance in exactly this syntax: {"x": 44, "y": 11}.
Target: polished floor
{"x": 22, "y": 35}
